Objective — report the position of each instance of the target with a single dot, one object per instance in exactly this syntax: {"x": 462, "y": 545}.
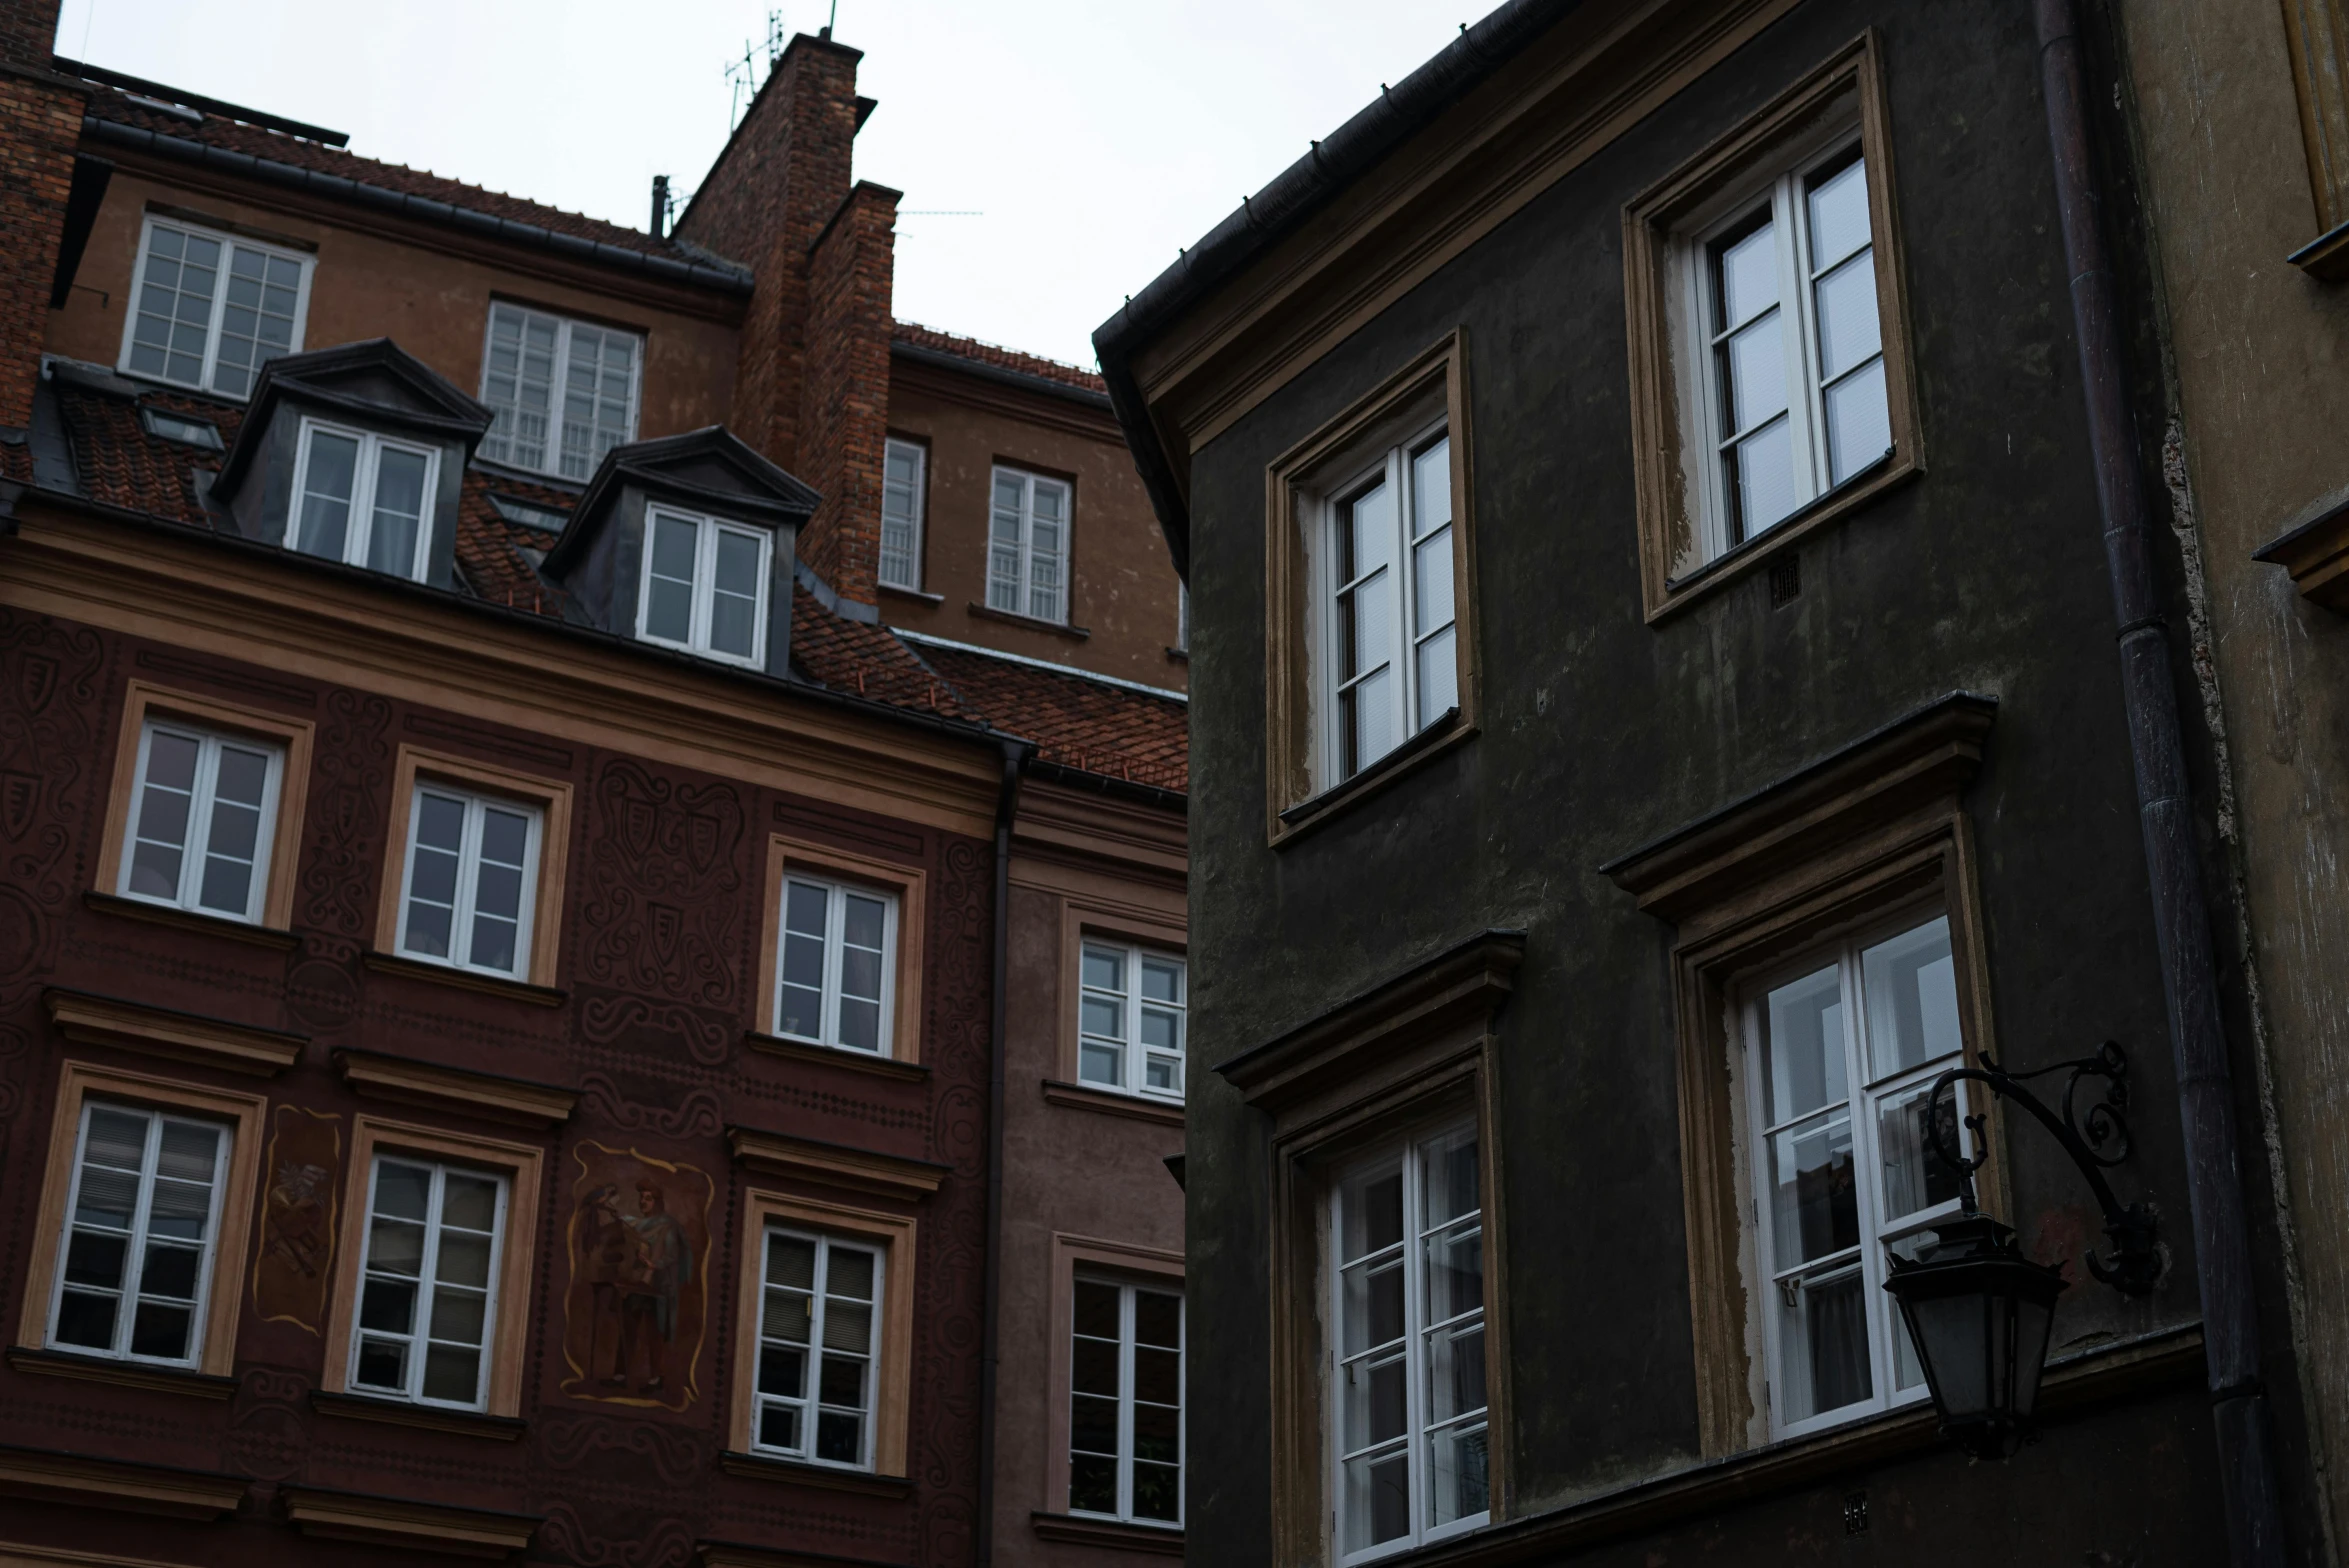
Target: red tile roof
{"x": 1002, "y": 358}
{"x": 1076, "y": 721}
{"x": 1079, "y": 722}
{"x": 216, "y": 130}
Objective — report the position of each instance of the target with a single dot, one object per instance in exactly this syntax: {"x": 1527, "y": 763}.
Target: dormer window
{"x": 364, "y": 499}
{"x": 705, "y": 586}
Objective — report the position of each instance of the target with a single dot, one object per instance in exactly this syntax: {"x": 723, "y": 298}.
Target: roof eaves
{"x": 728, "y": 278}
{"x": 1277, "y": 210}
{"x": 985, "y": 370}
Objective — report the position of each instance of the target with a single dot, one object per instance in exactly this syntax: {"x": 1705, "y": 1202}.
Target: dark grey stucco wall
{"x": 1600, "y": 733}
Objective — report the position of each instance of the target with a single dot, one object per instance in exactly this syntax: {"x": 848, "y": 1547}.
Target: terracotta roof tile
{"x": 1091, "y": 725}
{"x": 1005, "y": 358}
{"x": 215, "y": 130}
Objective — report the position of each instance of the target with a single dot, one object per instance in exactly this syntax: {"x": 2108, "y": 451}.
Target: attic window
{"x": 363, "y": 499}
{"x": 545, "y": 519}
{"x": 705, "y": 586}
{"x": 177, "y": 427}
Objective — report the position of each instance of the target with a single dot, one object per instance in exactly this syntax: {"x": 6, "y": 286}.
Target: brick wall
{"x": 28, "y": 32}
{"x": 40, "y": 125}
{"x": 844, "y": 398}
{"x": 779, "y": 181}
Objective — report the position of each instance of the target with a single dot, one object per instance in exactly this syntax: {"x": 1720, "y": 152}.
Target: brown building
{"x": 2241, "y": 125}
{"x": 591, "y": 956}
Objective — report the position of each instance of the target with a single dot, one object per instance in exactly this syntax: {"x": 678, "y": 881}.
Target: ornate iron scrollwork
{"x": 2096, "y": 1136}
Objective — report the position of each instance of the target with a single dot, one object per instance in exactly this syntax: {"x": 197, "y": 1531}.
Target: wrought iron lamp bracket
{"x": 2096, "y": 1137}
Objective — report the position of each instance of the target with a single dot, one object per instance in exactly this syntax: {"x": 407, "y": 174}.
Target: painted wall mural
{"x": 636, "y": 1314}
{"x": 293, "y": 1267}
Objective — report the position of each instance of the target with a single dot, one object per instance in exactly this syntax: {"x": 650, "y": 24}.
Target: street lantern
{"x": 1978, "y": 1313}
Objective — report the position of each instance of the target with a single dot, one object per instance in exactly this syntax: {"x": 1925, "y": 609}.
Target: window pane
{"x": 668, "y": 609}
{"x": 1158, "y": 1320}
{"x": 1378, "y": 1500}
{"x": 1847, "y": 316}
{"x": 734, "y": 595}
{"x": 403, "y": 1191}
{"x": 161, "y": 1330}
{"x": 1839, "y": 215}
{"x": 1431, "y": 584}
{"x": 1092, "y": 1484}
{"x": 1859, "y": 426}
{"x": 1824, "y": 1344}
{"x": 1804, "y": 1046}
{"x": 860, "y": 1024}
{"x": 1814, "y": 1202}
{"x": 1439, "y": 676}
{"x": 1431, "y": 487}
{"x": 399, "y": 511}
{"x": 1911, "y": 986}
{"x": 1158, "y": 1491}
{"x": 1104, "y": 969}
{"x": 1370, "y": 721}
{"x": 1458, "y": 1483}
{"x": 452, "y": 1373}
{"x": 175, "y": 305}
{"x": 469, "y": 1203}
{"x": 170, "y": 1272}
{"x": 95, "y": 1258}
{"x": 1746, "y": 271}
{"x": 1099, "y": 1063}
{"x": 1104, "y": 1016}
{"x": 1753, "y": 366}
{"x": 1369, "y": 527}
{"x": 165, "y": 804}
{"x": 1162, "y": 981}
{"x": 1374, "y": 1214}
{"x": 326, "y": 495}
{"x": 1916, "y": 1177}
{"x": 839, "y": 1437}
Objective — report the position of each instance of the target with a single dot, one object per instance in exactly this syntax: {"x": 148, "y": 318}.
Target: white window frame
{"x": 559, "y": 380}
{"x": 200, "y": 809}
{"x": 1391, "y": 468}
{"x": 836, "y": 896}
{"x": 469, "y": 878}
{"x": 427, "y": 1283}
{"x": 819, "y": 1301}
{"x": 1183, "y": 616}
{"x": 911, "y": 581}
{"x": 135, "y": 1258}
{"x": 1133, "y": 1071}
{"x": 1703, "y": 411}
{"x": 361, "y": 529}
{"x": 1407, "y": 1155}
{"x": 1863, "y": 1098}
{"x": 1127, "y": 1290}
{"x": 707, "y": 530}
{"x": 130, "y": 321}
{"x": 1025, "y": 588}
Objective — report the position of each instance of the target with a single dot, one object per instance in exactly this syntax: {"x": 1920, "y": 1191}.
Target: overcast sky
{"x": 1093, "y": 137}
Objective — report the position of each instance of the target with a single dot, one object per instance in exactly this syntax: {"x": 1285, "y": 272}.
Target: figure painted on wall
{"x": 294, "y": 1264}
{"x": 637, "y": 1310}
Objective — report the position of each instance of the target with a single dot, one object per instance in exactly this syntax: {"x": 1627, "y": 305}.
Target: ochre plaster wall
{"x": 2261, "y": 352}
{"x": 434, "y": 303}
{"x": 1122, "y": 586}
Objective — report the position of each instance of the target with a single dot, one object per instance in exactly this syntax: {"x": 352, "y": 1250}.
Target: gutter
{"x": 1015, "y": 753}
{"x": 2165, "y": 806}
{"x": 1277, "y": 211}
{"x": 336, "y": 187}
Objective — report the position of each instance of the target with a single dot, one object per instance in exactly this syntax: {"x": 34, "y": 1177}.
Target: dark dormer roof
{"x": 376, "y": 383}
{"x": 708, "y": 470}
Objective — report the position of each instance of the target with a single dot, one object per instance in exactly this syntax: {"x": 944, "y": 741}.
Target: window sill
{"x": 1437, "y": 738}
{"x": 449, "y": 974}
{"x": 2325, "y": 258}
{"x": 1824, "y": 510}
{"x": 761, "y": 1468}
{"x": 189, "y": 920}
{"x": 832, "y": 1056}
{"x": 1111, "y": 1102}
{"x": 1178, "y": 655}
{"x": 1112, "y": 1533}
{"x": 1032, "y": 622}
{"x": 130, "y": 1374}
{"x": 468, "y": 1423}
{"x": 913, "y": 593}
{"x": 2316, "y": 552}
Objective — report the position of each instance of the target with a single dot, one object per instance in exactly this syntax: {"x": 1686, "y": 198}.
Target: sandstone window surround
{"x": 564, "y": 392}
{"x": 1772, "y": 389}
{"x": 1871, "y": 843}
{"x": 210, "y": 308}
{"x": 823, "y": 979}
{"x": 905, "y": 496}
{"x": 512, "y": 902}
{"x": 1131, "y": 1017}
{"x": 1359, "y": 1091}
{"x": 1078, "y": 1261}
{"x": 2317, "y": 34}
{"x": 106, "y": 1247}
{"x": 216, "y": 729}
{"x": 882, "y": 1356}
{"x": 1370, "y": 593}
{"x": 355, "y": 1364}
{"x": 1095, "y": 922}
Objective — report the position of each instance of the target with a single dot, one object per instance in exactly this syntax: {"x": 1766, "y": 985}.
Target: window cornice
{"x": 1465, "y": 983}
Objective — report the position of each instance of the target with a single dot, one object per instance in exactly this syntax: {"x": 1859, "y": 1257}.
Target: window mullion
{"x": 1864, "y": 1162}
{"x": 1400, "y": 597}
{"x": 1125, "y": 1401}
{"x": 134, "y": 1266}
{"x": 812, "y": 1404}
{"x": 1415, "y": 1340}
{"x": 219, "y": 311}
{"x": 1131, "y": 1073}
{"x": 468, "y": 880}
{"x": 197, "y": 841}
{"x": 428, "y": 1271}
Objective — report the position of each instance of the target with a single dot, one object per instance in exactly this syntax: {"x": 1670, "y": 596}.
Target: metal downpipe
{"x": 2181, "y": 913}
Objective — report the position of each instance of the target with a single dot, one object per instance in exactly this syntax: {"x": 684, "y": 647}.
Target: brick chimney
{"x": 811, "y": 386}
{"x": 40, "y": 126}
